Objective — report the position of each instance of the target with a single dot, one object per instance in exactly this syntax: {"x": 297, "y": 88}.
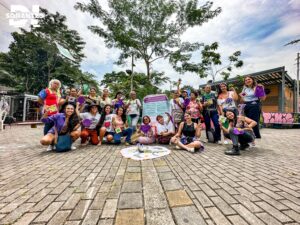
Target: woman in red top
{"x": 194, "y": 107}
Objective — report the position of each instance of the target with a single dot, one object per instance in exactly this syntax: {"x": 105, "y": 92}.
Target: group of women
{"x": 98, "y": 119}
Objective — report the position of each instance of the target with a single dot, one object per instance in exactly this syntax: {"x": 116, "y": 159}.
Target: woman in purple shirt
{"x": 67, "y": 122}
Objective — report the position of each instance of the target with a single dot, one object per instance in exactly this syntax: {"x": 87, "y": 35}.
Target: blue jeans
{"x": 47, "y": 127}
{"x": 127, "y": 132}
{"x": 214, "y": 116}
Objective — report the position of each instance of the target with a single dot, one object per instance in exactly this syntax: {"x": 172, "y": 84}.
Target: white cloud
{"x": 234, "y": 29}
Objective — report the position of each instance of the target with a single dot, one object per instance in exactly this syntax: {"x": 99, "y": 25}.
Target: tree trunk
{"x": 148, "y": 69}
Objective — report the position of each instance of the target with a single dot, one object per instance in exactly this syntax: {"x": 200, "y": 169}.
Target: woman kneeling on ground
{"x": 119, "y": 124}
{"x": 240, "y": 130}
{"x": 105, "y": 124}
{"x": 188, "y": 135}
{"x": 67, "y": 122}
{"x": 90, "y": 121}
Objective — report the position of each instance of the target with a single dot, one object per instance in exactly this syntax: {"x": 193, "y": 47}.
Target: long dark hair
{"x": 234, "y": 120}
{"x": 73, "y": 120}
{"x": 103, "y": 114}
{"x": 119, "y": 92}
{"x": 124, "y": 114}
{"x": 219, "y": 88}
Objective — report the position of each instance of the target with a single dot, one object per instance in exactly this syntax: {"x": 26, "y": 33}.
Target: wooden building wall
{"x": 271, "y": 104}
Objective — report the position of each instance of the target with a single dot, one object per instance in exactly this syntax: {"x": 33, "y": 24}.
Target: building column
{"x": 282, "y": 93}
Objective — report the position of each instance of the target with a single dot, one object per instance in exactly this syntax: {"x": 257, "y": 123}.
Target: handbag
{"x": 62, "y": 143}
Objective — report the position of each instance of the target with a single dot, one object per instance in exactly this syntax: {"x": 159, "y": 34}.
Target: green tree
{"x": 33, "y": 58}
{"x": 148, "y": 29}
{"x": 120, "y": 81}
{"x": 210, "y": 63}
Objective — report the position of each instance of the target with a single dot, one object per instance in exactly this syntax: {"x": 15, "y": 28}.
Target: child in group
{"x": 165, "y": 129}
{"x": 146, "y": 135}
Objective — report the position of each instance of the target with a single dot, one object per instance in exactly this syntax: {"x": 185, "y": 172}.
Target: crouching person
{"x": 188, "y": 135}
{"x": 165, "y": 129}
{"x": 239, "y": 131}
{"x": 90, "y": 121}
{"x": 119, "y": 124}
{"x": 105, "y": 124}
{"x": 64, "y": 123}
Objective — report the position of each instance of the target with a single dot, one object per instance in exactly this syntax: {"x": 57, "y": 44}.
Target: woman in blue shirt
{"x": 252, "y": 102}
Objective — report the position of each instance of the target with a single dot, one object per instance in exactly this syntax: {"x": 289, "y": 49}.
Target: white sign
{"x": 149, "y": 152}
{"x": 19, "y": 15}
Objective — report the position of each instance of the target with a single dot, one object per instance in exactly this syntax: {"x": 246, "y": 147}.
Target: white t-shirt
{"x": 134, "y": 107}
{"x": 174, "y": 105}
{"x": 165, "y": 127}
{"x": 107, "y": 101}
{"x": 94, "y": 119}
{"x": 227, "y": 102}
{"x": 108, "y": 122}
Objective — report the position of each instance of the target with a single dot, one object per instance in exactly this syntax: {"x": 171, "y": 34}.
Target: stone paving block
{"x": 132, "y": 186}
{"x": 65, "y": 195}
{"x": 162, "y": 169}
{"x": 16, "y": 214}
{"x": 292, "y": 214}
{"x": 188, "y": 215}
{"x": 133, "y": 169}
{"x": 130, "y": 201}
{"x": 248, "y": 204}
{"x": 203, "y": 199}
{"x": 170, "y": 185}
{"x": 106, "y": 222}
{"x": 46, "y": 215}
{"x": 272, "y": 201}
{"x": 130, "y": 217}
{"x": 274, "y": 212}
{"x": 80, "y": 210}
{"x": 72, "y": 222}
{"x": 154, "y": 197}
{"x": 132, "y": 177}
{"x": 178, "y": 198}
{"x": 159, "y": 217}
{"x": 237, "y": 220}
{"x": 26, "y": 219}
{"x": 159, "y": 162}
{"x": 92, "y": 217}
{"x": 72, "y": 201}
{"x": 291, "y": 205}
{"x": 223, "y": 206}
{"x": 99, "y": 200}
{"x": 60, "y": 217}
{"x": 217, "y": 216}
{"x": 110, "y": 208}
{"x": 166, "y": 176}
{"x": 247, "y": 215}
{"x": 268, "y": 219}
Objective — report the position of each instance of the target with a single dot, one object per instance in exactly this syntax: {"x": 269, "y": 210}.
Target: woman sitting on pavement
{"x": 165, "y": 129}
{"x": 147, "y": 135}
{"x": 119, "y": 125}
{"x": 105, "y": 124}
{"x": 90, "y": 120}
{"x": 188, "y": 135}
{"x": 240, "y": 130}
{"x": 64, "y": 123}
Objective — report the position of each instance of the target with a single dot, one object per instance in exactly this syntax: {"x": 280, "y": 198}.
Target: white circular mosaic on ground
{"x": 150, "y": 152}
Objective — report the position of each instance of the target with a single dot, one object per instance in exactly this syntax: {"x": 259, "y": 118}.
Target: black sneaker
{"x": 244, "y": 146}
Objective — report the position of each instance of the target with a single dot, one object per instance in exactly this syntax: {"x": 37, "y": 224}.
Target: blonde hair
{"x": 54, "y": 80}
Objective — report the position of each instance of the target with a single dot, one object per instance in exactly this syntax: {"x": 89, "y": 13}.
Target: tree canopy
{"x": 33, "y": 58}
{"x": 149, "y": 29}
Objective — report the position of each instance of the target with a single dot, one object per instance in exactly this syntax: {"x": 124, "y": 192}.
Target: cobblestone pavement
{"x": 96, "y": 185}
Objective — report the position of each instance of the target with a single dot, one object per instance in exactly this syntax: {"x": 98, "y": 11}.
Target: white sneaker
{"x": 226, "y": 142}
{"x": 192, "y": 150}
{"x": 73, "y": 147}
{"x": 49, "y": 148}
{"x": 177, "y": 147}
{"x": 252, "y": 144}
{"x": 219, "y": 142}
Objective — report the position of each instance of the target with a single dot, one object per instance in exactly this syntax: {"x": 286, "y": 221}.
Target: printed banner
{"x": 149, "y": 152}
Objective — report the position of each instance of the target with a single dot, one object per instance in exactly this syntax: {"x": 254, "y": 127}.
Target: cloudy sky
{"x": 258, "y": 28}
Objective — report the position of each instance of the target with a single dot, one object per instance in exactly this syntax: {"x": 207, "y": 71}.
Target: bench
{"x": 281, "y": 120}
